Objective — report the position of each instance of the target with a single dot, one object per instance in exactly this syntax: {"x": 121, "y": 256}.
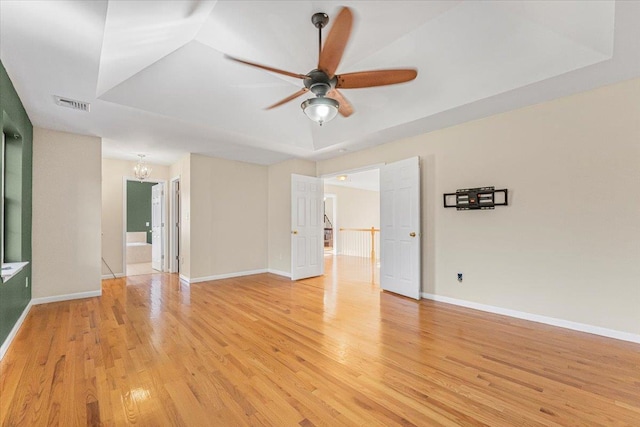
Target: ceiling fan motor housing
{"x": 320, "y": 20}
{"x": 319, "y": 83}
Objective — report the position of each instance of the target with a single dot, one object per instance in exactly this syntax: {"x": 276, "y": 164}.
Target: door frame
{"x": 176, "y": 227}
{"x": 126, "y": 179}
{"x": 334, "y": 215}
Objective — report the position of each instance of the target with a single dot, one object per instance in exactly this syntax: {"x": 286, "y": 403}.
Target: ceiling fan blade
{"x": 288, "y": 98}
{"x": 264, "y": 67}
{"x": 345, "y": 108}
{"x": 375, "y": 78}
{"x": 336, "y": 42}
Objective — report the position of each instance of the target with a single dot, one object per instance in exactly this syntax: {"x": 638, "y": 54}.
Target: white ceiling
{"x": 363, "y": 180}
{"x": 158, "y": 83}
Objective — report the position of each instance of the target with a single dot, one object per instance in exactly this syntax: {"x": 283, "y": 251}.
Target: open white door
{"x": 400, "y": 227}
{"x": 307, "y": 227}
{"x": 157, "y": 227}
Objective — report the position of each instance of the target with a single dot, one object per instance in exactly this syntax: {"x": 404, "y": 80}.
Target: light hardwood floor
{"x": 140, "y": 268}
{"x": 261, "y": 350}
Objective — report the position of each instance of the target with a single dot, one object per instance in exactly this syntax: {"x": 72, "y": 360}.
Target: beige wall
{"x": 568, "y": 245}
{"x": 328, "y": 206}
{"x": 356, "y": 208}
{"x": 228, "y": 217}
{"x": 113, "y": 173}
{"x": 279, "y": 200}
{"x": 66, "y": 213}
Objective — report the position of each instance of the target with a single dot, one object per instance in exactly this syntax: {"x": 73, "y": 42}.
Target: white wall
{"x": 568, "y": 246}
{"x": 228, "y": 217}
{"x": 66, "y": 213}
{"x": 113, "y": 173}
{"x": 279, "y": 200}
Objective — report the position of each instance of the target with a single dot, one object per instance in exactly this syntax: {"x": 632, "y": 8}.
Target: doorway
{"x": 354, "y": 211}
{"x": 144, "y": 237}
{"x": 382, "y": 227}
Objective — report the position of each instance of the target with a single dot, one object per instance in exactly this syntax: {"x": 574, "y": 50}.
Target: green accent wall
{"x": 18, "y": 160}
{"x": 139, "y": 207}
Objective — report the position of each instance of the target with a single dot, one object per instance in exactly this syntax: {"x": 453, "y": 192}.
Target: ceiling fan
{"x": 323, "y": 81}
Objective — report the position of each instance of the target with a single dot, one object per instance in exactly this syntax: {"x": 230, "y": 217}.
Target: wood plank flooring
{"x": 261, "y": 350}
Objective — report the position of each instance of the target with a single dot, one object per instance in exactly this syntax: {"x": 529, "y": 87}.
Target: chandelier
{"x": 142, "y": 170}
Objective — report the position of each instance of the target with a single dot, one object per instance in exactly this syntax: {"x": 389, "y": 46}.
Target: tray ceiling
{"x": 159, "y": 84}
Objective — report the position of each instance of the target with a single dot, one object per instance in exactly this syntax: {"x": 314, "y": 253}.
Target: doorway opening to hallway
{"x": 352, "y": 211}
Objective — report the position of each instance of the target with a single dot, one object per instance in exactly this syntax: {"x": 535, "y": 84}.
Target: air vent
{"x": 72, "y": 103}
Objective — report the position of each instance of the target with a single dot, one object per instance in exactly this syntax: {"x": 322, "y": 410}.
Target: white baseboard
{"x": 110, "y": 276}
{"x": 279, "y": 272}
{"x": 226, "y": 276}
{"x": 67, "y": 297}
{"x": 14, "y": 331}
{"x": 183, "y": 278}
{"x": 567, "y": 324}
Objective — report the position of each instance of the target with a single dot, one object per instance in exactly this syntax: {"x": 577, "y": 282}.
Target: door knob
{"x": 412, "y": 234}
{"x": 294, "y": 232}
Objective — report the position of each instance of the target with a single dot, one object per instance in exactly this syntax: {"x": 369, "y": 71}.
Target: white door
{"x": 307, "y": 227}
{"x": 157, "y": 226}
{"x": 400, "y": 227}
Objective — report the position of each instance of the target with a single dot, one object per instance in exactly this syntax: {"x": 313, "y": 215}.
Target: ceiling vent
{"x": 72, "y": 103}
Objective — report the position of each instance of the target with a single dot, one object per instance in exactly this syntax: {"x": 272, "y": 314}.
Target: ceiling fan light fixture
{"x": 320, "y": 109}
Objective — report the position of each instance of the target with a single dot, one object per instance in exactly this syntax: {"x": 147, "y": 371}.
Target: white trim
{"x": 174, "y": 218}
{"x": 279, "y": 272}
{"x": 110, "y": 276}
{"x": 352, "y": 171}
{"x": 14, "y": 331}
{"x": 184, "y": 278}
{"x": 227, "y": 275}
{"x": 67, "y": 297}
{"x": 567, "y": 324}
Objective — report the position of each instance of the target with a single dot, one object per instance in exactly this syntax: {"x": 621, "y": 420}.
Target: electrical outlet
{"x": 460, "y": 277}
